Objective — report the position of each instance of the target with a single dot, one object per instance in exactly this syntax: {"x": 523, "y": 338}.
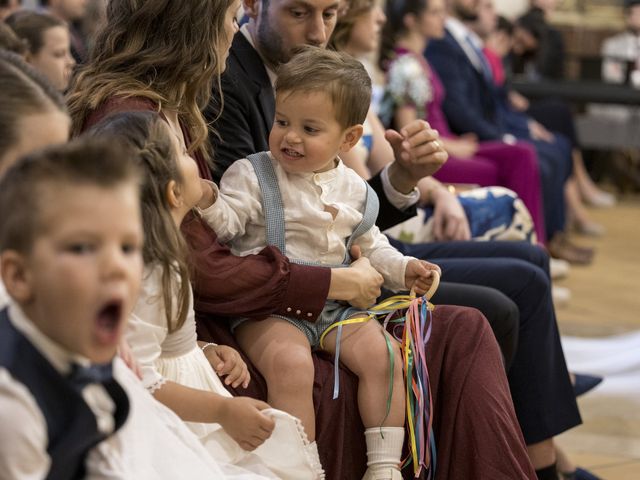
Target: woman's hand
{"x": 538, "y": 132}
{"x": 227, "y": 362}
{"x": 366, "y": 280}
{"x": 243, "y": 420}
{"x": 359, "y": 284}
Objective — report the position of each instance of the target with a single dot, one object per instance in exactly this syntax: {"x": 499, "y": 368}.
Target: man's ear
{"x": 16, "y": 276}
{"x": 174, "y": 196}
{"x": 351, "y": 137}
{"x": 252, "y": 8}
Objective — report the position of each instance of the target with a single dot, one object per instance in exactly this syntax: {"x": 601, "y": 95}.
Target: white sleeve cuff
{"x": 399, "y": 200}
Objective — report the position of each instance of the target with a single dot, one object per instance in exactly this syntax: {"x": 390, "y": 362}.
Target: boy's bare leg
{"x": 363, "y": 350}
{"x": 282, "y": 354}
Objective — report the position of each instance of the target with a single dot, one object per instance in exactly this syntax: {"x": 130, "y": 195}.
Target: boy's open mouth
{"x": 108, "y": 322}
{"x": 292, "y": 153}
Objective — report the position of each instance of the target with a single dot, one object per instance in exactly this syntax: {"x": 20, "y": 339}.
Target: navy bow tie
{"x": 81, "y": 376}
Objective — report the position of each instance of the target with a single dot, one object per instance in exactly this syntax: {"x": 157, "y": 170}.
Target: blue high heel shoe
{"x": 585, "y": 383}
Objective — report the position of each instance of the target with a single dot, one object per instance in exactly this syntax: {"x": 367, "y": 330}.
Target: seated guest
{"x": 497, "y": 46}
{"x": 475, "y": 105}
{"x": 620, "y": 53}
{"x": 538, "y": 51}
{"x": 414, "y": 91}
{"x": 7, "y": 7}
{"x": 71, "y": 12}
{"x": 177, "y": 77}
{"x": 47, "y": 39}
{"x": 539, "y": 54}
{"x": 9, "y": 41}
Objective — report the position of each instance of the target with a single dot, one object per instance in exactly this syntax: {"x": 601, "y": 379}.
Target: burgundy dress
{"x": 477, "y": 432}
{"x": 410, "y": 81}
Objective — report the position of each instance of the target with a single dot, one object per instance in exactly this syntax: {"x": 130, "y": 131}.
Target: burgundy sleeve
{"x": 115, "y": 105}
{"x": 253, "y": 286}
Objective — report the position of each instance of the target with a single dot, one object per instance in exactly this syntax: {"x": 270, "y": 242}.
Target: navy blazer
{"x": 247, "y": 116}
{"x": 472, "y": 104}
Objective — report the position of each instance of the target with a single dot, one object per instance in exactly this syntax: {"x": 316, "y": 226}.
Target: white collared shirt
{"x": 4, "y": 296}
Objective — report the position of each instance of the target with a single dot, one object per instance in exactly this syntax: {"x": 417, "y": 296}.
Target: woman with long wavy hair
{"x": 157, "y": 55}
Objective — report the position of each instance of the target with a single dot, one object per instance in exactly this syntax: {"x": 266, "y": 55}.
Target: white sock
{"x": 384, "y": 452}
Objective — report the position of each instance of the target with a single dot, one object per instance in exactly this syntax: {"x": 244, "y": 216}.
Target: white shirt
{"x": 4, "y": 297}
{"x": 312, "y": 234}
{"x": 23, "y": 438}
{"x": 399, "y": 200}
{"x": 617, "y": 51}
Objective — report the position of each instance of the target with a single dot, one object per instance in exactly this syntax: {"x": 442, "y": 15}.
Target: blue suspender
{"x": 273, "y": 208}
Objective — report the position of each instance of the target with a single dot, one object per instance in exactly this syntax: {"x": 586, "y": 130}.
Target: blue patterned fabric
{"x": 495, "y": 213}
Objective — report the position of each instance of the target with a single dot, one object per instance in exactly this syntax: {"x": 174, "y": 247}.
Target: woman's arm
{"x": 267, "y": 283}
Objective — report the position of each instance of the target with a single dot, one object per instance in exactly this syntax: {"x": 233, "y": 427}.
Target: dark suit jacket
{"x": 247, "y": 116}
{"x": 472, "y": 104}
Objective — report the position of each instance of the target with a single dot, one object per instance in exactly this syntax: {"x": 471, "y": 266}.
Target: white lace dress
{"x": 177, "y": 357}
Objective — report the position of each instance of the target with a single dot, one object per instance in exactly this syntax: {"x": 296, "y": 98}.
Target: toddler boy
{"x": 301, "y": 198}
{"x": 70, "y": 259}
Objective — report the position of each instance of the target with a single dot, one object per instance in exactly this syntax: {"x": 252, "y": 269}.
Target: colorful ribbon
{"x": 413, "y": 314}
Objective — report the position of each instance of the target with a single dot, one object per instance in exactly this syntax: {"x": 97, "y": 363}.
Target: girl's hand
{"x": 243, "y": 420}
{"x": 125, "y": 353}
{"x": 226, "y": 361}
{"x": 418, "y": 275}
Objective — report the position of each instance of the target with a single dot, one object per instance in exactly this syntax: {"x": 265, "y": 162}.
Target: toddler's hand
{"x": 226, "y": 361}
{"x": 209, "y": 194}
{"x": 242, "y": 419}
{"x": 418, "y": 275}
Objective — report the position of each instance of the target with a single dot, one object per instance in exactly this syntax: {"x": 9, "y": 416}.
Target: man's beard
{"x": 464, "y": 13}
{"x": 270, "y": 44}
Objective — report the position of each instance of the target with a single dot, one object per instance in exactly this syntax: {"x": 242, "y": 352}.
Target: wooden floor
{"x": 606, "y": 301}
